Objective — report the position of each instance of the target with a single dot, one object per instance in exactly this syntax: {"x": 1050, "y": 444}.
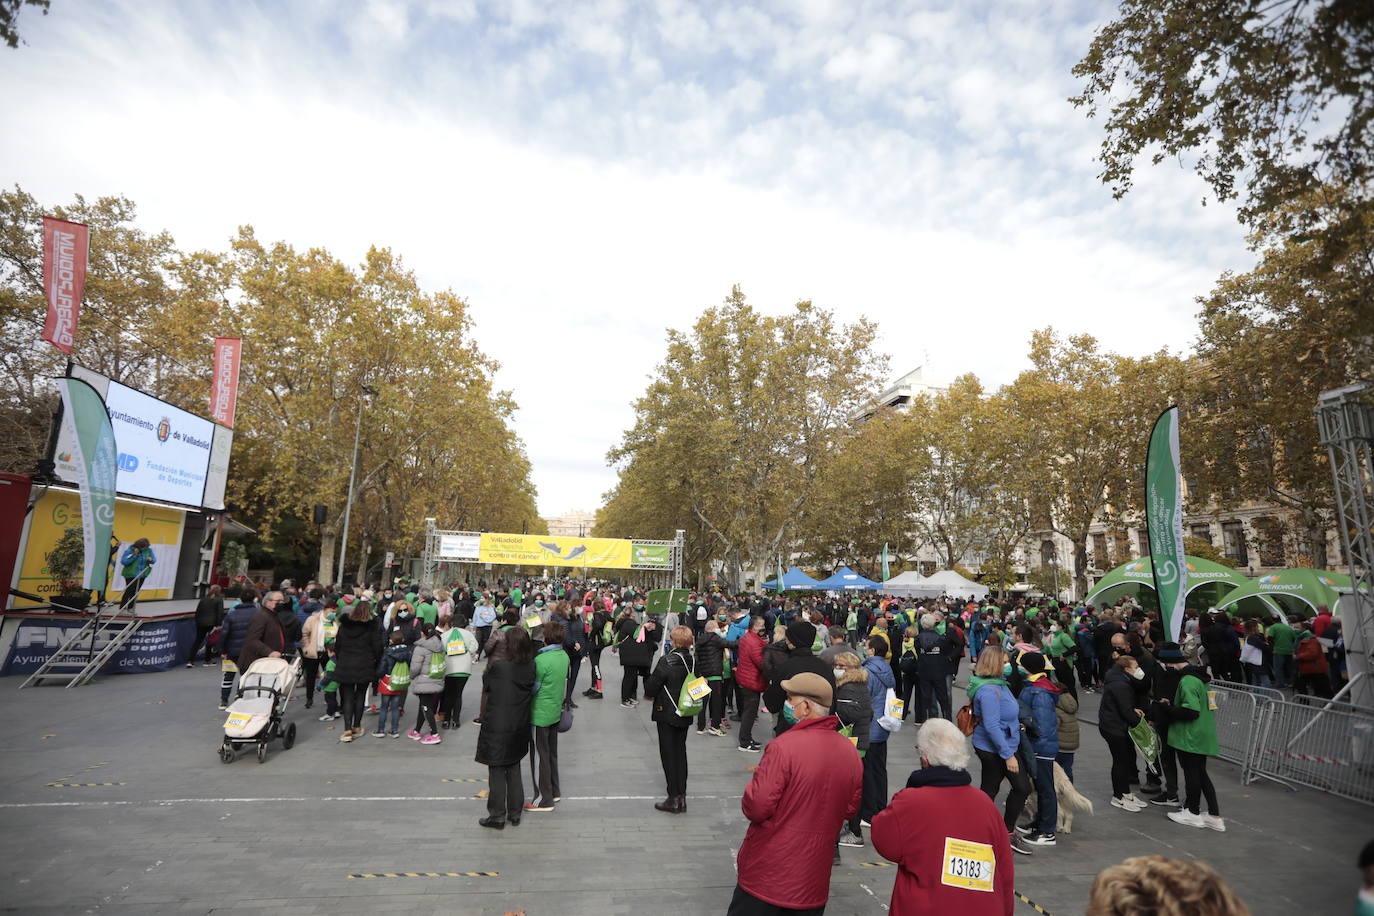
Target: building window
{"x": 1047, "y": 553}
{"x": 1100, "y": 551}
{"x": 1233, "y": 542}
{"x": 1202, "y": 532}
{"x": 1142, "y": 542}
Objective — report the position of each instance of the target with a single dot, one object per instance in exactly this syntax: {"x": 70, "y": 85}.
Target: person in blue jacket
{"x": 1038, "y": 700}
{"x": 997, "y": 737}
{"x": 880, "y": 680}
{"x": 137, "y": 564}
{"x": 233, "y": 633}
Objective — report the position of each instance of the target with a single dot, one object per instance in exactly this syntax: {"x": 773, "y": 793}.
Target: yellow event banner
{"x": 549, "y": 550}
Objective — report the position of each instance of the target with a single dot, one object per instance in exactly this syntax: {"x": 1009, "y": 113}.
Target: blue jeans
{"x": 1047, "y": 803}
{"x": 391, "y": 706}
{"x": 1258, "y": 676}
{"x": 1284, "y": 670}
{"x": 1065, "y": 761}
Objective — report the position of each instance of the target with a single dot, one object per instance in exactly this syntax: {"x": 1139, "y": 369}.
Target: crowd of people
{"x": 836, "y": 677}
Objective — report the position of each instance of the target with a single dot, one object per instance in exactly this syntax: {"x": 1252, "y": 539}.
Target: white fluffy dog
{"x": 1069, "y": 801}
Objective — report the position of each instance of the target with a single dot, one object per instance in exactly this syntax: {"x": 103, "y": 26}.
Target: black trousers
{"x": 1063, "y": 672}
{"x": 505, "y": 792}
{"x": 932, "y": 689}
{"x": 714, "y": 706}
{"x": 452, "y": 703}
{"x": 744, "y": 903}
{"x": 672, "y": 751}
{"x": 131, "y": 590}
{"x": 429, "y": 702}
{"x": 311, "y": 667}
{"x": 1197, "y": 785}
{"x": 483, "y": 634}
{"x": 994, "y": 771}
{"x": 544, "y": 764}
{"x": 1123, "y": 762}
{"x": 1168, "y": 762}
{"x": 352, "y": 698}
{"x": 595, "y": 656}
{"x": 574, "y": 666}
{"x": 629, "y": 680}
{"x": 201, "y": 633}
{"x": 874, "y": 797}
{"x": 748, "y": 714}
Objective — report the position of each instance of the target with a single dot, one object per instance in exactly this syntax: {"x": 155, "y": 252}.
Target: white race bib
{"x": 968, "y": 865}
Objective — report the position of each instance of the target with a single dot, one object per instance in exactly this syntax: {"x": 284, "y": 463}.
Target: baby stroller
{"x": 257, "y": 713}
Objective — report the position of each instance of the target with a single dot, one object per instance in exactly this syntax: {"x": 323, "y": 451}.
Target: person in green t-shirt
{"x": 1284, "y": 640}
{"x": 427, "y": 610}
{"x": 1193, "y": 736}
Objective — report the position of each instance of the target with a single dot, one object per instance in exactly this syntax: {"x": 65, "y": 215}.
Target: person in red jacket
{"x": 749, "y": 677}
{"x": 946, "y": 837}
{"x": 807, "y": 785}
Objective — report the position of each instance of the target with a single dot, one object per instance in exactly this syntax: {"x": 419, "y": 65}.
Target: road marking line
{"x": 431, "y": 874}
{"x": 300, "y": 799}
{"x": 82, "y": 785}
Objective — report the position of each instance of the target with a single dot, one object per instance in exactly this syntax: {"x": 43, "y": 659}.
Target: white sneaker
{"x": 1124, "y": 803}
{"x": 1215, "y": 822}
{"x": 1135, "y": 800}
{"x": 1186, "y": 818}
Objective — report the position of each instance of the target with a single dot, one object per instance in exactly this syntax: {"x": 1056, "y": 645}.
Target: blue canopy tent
{"x": 792, "y": 580}
{"x": 847, "y": 580}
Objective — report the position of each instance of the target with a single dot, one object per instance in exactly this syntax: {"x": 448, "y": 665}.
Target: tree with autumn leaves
{"x": 321, "y": 338}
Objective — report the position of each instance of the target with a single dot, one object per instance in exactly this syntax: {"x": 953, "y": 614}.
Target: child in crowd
{"x": 394, "y": 673}
{"x": 330, "y": 687}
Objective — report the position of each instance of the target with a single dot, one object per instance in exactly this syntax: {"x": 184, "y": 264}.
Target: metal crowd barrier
{"x": 1328, "y": 746}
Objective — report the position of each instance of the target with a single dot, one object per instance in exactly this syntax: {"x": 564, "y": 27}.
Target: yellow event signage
{"x": 549, "y": 550}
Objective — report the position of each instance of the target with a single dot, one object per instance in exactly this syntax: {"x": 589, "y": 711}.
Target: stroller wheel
{"x": 262, "y": 751}
{"x": 289, "y": 738}
{"x": 226, "y": 754}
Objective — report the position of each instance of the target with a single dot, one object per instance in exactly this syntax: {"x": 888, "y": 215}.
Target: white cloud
{"x": 588, "y": 175}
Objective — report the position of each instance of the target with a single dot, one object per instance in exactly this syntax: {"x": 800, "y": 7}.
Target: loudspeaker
{"x": 321, "y": 514}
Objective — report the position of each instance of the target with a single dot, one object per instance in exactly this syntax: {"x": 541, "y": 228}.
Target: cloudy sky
{"x": 589, "y": 174}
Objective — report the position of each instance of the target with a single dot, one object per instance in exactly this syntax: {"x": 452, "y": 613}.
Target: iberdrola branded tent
{"x": 1309, "y": 586}
{"x": 1130, "y": 576}
{"x": 846, "y": 580}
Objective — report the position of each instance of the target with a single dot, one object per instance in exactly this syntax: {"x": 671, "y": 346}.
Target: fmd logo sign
{"x": 128, "y": 462}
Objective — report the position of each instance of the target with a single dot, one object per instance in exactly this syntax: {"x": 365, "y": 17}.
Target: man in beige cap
{"x": 807, "y": 784}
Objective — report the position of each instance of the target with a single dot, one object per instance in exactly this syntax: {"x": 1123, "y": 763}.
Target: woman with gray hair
{"x": 947, "y": 838}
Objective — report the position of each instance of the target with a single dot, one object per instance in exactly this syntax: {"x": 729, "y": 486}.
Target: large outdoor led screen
{"x": 164, "y": 452}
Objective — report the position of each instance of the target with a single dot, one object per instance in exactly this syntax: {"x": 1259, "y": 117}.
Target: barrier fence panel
{"x": 1260, "y": 693}
{"x": 1238, "y": 715}
{"x": 1330, "y": 749}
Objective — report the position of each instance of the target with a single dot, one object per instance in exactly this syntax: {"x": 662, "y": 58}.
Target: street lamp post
{"x": 352, "y": 477}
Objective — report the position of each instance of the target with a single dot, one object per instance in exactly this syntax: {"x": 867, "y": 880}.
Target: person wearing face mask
{"x": 1061, "y": 650}
{"x": 1193, "y": 736}
{"x": 1117, "y": 714}
{"x": 801, "y": 636}
{"x": 750, "y": 681}
{"x": 403, "y": 618}
{"x": 880, "y": 681}
{"x": 855, "y": 711}
{"x": 807, "y": 784}
{"x": 997, "y": 738}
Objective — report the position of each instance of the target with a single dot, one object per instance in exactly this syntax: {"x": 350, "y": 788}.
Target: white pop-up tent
{"x": 911, "y": 584}
{"x": 951, "y": 583}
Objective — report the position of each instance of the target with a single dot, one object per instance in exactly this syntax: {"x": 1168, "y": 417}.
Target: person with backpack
{"x": 393, "y": 673}
{"x": 460, "y": 645}
{"x": 932, "y": 651}
{"x": 854, "y": 708}
{"x": 672, "y": 713}
{"x": 546, "y": 711}
{"x": 710, "y": 653}
{"x": 637, "y": 644}
{"x": 601, "y": 637}
{"x": 428, "y": 667}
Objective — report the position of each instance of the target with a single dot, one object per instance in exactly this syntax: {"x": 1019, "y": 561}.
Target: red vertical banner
{"x": 224, "y": 392}
{"x": 64, "y": 279}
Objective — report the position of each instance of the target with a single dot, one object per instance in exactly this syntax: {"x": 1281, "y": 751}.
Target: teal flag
{"x": 886, "y": 575}
{"x": 96, "y": 460}
{"x": 1164, "y": 521}
{"x": 780, "y": 582}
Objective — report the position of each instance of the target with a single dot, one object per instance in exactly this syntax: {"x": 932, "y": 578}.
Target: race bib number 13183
{"x": 968, "y": 865}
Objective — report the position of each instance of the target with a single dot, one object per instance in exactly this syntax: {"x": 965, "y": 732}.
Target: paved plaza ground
{"x": 167, "y": 828}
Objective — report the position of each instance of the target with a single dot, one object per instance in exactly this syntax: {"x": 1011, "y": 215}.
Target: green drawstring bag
{"x": 1147, "y": 739}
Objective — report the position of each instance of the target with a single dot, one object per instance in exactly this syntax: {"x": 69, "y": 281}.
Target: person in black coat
{"x": 800, "y": 637}
{"x": 504, "y": 741}
{"x": 637, "y": 651}
{"x": 1116, "y": 715}
{"x": 209, "y": 612}
{"x": 710, "y": 653}
{"x": 357, "y": 650}
{"x": 598, "y": 645}
{"x": 664, "y": 687}
{"x": 232, "y": 635}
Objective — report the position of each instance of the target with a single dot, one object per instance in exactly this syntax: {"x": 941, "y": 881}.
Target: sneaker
{"x": 1187, "y": 818}
{"x": 1165, "y": 800}
{"x": 395, "y": 734}
{"x": 1027, "y": 830}
{"x": 531, "y": 806}
{"x": 1019, "y": 846}
{"x": 309, "y": 703}
{"x": 864, "y": 823}
{"x": 750, "y": 748}
{"x": 413, "y": 735}
{"x": 431, "y": 739}
{"x": 1036, "y": 838}
{"x": 701, "y": 731}
{"x": 1215, "y": 822}
{"x": 379, "y": 734}
{"x": 224, "y": 706}
{"x": 849, "y": 838}
{"x": 346, "y": 737}
{"x": 1125, "y": 804}
{"x": 557, "y": 799}
{"x": 627, "y": 704}
{"x": 188, "y": 664}
{"x": 718, "y": 732}
{"x": 324, "y": 718}
{"x": 1134, "y": 799}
